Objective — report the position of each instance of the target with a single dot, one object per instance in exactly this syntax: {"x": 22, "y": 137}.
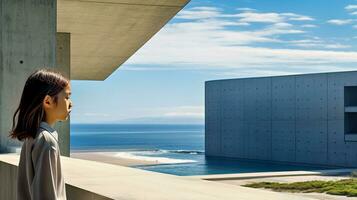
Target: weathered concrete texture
{"x": 287, "y": 118}
{"x": 63, "y": 62}
{"x": 28, "y": 30}
{"x": 8, "y": 174}
{"x": 106, "y": 33}
{"x": 28, "y": 42}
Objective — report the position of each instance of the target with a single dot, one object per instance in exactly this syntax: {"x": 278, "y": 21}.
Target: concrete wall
{"x": 27, "y": 42}
{"x": 287, "y": 118}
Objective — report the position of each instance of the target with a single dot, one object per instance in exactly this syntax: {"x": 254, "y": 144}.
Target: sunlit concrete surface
{"x": 116, "y": 182}
{"x": 104, "y": 34}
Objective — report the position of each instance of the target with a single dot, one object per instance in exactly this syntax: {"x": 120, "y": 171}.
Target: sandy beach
{"x": 111, "y": 158}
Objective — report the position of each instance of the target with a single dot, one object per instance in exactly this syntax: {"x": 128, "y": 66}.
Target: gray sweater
{"x": 39, "y": 173}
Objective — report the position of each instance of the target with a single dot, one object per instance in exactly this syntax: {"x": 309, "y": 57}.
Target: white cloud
{"x": 242, "y": 24}
{"x": 186, "y": 111}
{"x": 91, "y": 117}
{"x": 172, "y": 114}
{"x": 351, "y": 7}
{"x": 308, "y": 26}
{"x": 278, "y": 29}
{"x": 205, "y": 8}
{"x": 271, "y": 17}
{"x": 247, "y": 15}
{"x": 340, "y": 21}
{"x": 96, "y": 115}
{"x": 307, "y": 42}
{"x": 318, "y": 43}
{"x": 209, "y": 44}
{"x": 274, "y": 71}
{"x": 260, "y": 17}
{"x": 337, "y": 46}
{"x": 246, "y": 9}
{"x": 296, "y": 17}
{"x": 173, "y": 111}
{"x": 199, "y": 13}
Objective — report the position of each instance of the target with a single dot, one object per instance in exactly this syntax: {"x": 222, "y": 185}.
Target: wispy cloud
{"x": 317, "y": 42}
{"x": 96, "y": 115}
{"x": 260, "y": 17}
{"x": 247, "y": 15}
{"x": 186, "y": 111}
{"x": 296, "y": 17}
{"x": 181, "y": 113}
{"x": 308, "y": 26}
{"x": 211, "y": 43}
{"x": 91, "y": 117}
{"x": 352, "y": 10}
{"x": 173, "y": 111}
{"x": 271, "y": 17}
{"x": 351, "y": 7}
{"x": 169, "y": 115}
{"x": 246, "y": 9}
{"x": 199, "y": 13}
{"x": 337, "y": 46}
{"x": 340, "y": 21}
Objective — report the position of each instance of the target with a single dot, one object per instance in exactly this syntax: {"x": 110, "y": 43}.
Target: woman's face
{"x": 58, "y": 111}
{"x": 64, "y": 104}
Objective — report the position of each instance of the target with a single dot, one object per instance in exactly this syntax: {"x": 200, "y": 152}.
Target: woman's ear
{"x": 47, "y": 102}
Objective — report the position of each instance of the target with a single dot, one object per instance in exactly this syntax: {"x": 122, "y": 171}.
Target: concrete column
{"x": 63, "y": 63}
{"x": 8, "y": 181}
{"x": 27, "y": 42}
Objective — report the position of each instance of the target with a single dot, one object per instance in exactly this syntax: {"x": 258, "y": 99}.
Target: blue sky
{"x": 163, "y": 82}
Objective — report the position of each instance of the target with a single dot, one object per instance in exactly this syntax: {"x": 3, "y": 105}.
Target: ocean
{"x": 179, "y": 147}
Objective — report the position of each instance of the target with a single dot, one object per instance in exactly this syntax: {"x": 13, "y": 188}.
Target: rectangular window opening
{"x": 350, "y": 96}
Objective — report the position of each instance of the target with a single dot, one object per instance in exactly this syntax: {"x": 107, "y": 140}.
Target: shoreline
{"x": 110, "y": 158}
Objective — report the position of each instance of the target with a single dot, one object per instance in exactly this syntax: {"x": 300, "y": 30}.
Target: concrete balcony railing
{"x": 89, "y": 180}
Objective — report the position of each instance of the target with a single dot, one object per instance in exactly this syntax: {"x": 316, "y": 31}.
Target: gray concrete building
{"x": 309, "y": 118}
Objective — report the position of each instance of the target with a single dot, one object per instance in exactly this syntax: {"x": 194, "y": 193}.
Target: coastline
{"x": 110, "y": 158}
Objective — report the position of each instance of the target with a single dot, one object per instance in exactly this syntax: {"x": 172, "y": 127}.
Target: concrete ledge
{"x": 95, "y": 180}
{"x": 332, "y": 172}
{"x": 8, "y": 174}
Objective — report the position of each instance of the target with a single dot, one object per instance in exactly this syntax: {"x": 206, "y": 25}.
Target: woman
{"x": 44, "y": 101}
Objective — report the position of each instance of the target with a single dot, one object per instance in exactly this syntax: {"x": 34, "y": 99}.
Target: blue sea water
{"x": 181, "y": 147}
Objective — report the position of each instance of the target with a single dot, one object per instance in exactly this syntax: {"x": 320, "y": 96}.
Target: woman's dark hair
{"x": 30, "y": 113}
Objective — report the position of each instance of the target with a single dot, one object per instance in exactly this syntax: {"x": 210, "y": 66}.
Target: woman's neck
{"x": 50, "y": 122}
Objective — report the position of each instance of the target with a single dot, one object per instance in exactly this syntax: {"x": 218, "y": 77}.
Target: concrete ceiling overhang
{"x": 105, "y": 33}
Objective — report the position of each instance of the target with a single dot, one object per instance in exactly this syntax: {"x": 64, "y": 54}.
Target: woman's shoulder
{"x": 43, "y": 142}
{"x": 46, "y": 138}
